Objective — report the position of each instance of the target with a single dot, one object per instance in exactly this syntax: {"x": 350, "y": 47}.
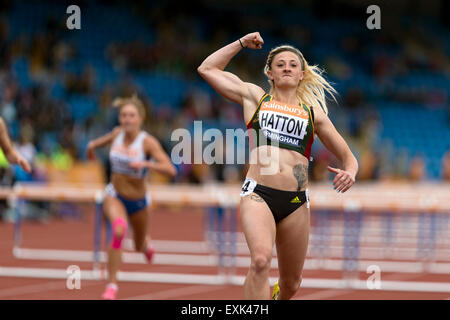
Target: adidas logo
{"x": 296, "y": 200}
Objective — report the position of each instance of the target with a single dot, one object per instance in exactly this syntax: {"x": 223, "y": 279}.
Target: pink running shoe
{"x": 149, "y": 253}
{"x": 110, "y": 292}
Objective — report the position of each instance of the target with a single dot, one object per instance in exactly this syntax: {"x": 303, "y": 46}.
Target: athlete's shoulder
{"x": 321, "y": 119}
{"x": 149, "y": 140}
{"x": 319, "y": 113}
{"x": 151, "y": 145}
{"x": 115, "y": 132}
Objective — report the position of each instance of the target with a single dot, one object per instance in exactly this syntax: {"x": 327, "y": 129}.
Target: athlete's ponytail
{"x": 313, "y": 87}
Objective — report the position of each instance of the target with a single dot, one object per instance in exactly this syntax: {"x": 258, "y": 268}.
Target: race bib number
{"x": 247, "y": 187}
{"x": 307, "y": 198}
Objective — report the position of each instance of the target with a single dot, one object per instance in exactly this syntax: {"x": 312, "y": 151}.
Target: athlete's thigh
{"x": 113, "y": 208}
{"x": 139, "y": 224}
{"x": 257, "y": 223}
{"x": 292, "y": 242}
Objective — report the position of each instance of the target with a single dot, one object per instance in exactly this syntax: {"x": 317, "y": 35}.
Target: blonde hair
{"x": 134, "y": 100}
{"x": 312, "y": 89}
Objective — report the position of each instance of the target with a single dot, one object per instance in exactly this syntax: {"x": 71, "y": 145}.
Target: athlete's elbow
{"x": 202, "y": 69}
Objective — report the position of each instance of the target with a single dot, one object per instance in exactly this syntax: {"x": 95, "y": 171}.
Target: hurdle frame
{"x": 216, "y": 201}
{"x": 394, "y": 200}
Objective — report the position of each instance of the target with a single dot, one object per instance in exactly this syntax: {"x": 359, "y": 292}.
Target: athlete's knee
{"x": 261, "y": 263}
{"x": 120, "y": 227}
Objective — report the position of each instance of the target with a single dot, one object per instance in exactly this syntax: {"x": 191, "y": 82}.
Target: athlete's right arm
{"x": 5, "y": 142}
{"x": 226, "y": 83}
{"x": 101, "y": 142}
{"x": 10, "y": 153}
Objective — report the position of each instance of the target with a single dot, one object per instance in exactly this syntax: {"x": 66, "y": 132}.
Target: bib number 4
{"x": 247, "y": 187}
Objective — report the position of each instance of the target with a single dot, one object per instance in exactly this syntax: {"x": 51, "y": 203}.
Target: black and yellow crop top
{"x": 292, "y": 126}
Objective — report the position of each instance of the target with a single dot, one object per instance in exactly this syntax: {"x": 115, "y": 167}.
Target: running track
{"x": 165, "y": 225}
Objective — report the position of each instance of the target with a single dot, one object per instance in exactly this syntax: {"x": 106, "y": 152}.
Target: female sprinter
{"x": 127, "y": 200}
{"x": 274, "y": 207}
{"x": 10, "y": 153}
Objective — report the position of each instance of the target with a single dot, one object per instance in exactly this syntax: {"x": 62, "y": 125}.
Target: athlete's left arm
{"x": 162, "y": 162}
{"x": 334, "y": 142}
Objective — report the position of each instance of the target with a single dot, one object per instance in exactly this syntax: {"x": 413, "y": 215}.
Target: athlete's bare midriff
{"x": 127, "y": 187}
{"x": 283, "y": 169}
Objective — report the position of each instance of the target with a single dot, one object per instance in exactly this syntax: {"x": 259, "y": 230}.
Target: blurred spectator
{"x": 84, "y": 84}
{"x": 417, "y": 170}
{"x": 401, "y": 168}
{"x": 4, "y": 44}
{"x": 367, "y": 165}
{"x": 406, "y": 65}
{"x": 446, "y": 167}
{"x": 8, "y": 110}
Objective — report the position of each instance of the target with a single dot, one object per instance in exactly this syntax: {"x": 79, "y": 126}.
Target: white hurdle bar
{"x": 179, "y": 196}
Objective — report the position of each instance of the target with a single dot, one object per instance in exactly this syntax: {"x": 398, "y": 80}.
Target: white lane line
{"x": 171, "y": 278}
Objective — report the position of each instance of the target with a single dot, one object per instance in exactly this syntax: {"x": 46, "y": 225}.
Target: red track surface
{"x": 164, "y": 225}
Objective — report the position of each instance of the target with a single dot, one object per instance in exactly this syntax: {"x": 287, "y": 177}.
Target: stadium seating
{"x": 413, "y": 126}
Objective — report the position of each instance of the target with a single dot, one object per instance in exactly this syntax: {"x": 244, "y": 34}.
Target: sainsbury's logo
{"x": 285, "y": 108}
{"x": 130, "y": 152}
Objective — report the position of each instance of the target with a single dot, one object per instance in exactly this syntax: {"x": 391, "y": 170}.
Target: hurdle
{"x": 217, "y": 200}
{"x": 430, "y": 202}
{"x": 55, "y": 193}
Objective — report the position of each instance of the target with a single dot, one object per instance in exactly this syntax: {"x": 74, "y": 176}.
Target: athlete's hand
{"x": 15, "y": 158}
{"x": 252, "y": 40}
{"x": 90, "y": 152}
{"x": 139, "y": 164}
{"x": 21, "y": 161}
{"x": 343, "y": 180}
